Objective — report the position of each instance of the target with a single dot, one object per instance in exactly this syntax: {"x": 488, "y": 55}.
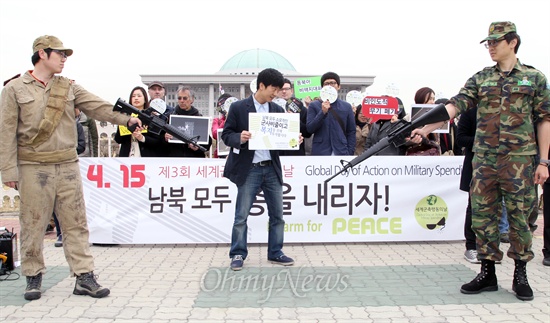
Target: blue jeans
{"x": 265, "y": 179}
{"x": 503, "y": 225}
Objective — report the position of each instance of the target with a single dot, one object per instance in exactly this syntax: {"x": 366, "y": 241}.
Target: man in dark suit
{"x": 254, "y": 171}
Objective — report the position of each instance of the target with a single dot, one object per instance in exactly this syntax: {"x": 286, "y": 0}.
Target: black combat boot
{"x": 486, "y": 280}
{"x": 520, "y": 284}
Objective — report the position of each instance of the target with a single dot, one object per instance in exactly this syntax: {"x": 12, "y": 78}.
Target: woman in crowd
{"x": 362, "y": 126}
{"x": 137, "y": 144}
{"x": 429, "y": 145}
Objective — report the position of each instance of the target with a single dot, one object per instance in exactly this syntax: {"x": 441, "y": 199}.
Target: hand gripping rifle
{"x": 397, "y": 135}
{"x": 154, "y": 121}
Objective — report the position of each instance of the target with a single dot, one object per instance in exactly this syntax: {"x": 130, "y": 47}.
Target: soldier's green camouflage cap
{"x": 52, "y": 42}
{"x": 499, "y": 29}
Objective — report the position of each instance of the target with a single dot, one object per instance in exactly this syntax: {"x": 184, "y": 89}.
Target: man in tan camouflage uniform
{"x": 512, "y": 99}
{"x": 38, "y": 157}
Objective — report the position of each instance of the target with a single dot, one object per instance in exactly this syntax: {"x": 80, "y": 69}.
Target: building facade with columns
{"x": 235, "y": 77}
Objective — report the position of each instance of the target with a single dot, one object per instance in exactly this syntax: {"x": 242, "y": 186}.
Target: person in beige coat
{"x": 38, "y": 157}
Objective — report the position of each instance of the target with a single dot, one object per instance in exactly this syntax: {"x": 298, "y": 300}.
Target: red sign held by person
{"x": 379, "y": 107}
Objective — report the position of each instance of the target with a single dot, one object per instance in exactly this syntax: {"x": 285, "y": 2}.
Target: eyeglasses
{"x": 183, "y": 98}
{"x": 331, "y": 83}
{"x": 493, "y": 43}
{"x": 286, "y": 89}
{"x": 60, "y": 52}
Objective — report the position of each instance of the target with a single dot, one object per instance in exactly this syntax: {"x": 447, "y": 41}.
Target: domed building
{"x": 253, "y": 61}
{"x": 235, "y": 77}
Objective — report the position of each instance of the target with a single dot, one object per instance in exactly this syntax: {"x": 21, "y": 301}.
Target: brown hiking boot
{"x": 86, "y": 284}
{"x": 34, "y": 283}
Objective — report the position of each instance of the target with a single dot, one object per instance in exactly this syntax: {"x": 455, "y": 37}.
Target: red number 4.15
{"x": 95, "y": 174}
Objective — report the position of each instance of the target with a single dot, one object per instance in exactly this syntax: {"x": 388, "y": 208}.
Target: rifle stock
{"x": 397, "y": 136}
{"x": 156, "y": 122}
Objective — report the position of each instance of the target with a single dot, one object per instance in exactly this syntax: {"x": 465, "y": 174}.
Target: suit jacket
{"x": 240, "y": 158}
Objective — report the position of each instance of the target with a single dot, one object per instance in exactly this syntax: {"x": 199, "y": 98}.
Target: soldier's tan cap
{"x": 499, "y": 29}
{"x": 52, "y": 42}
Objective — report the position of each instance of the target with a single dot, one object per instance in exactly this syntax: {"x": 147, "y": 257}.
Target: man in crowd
{"x": 157, "y": 90}
{"x": 332, "y": 124}
{"x": 90, "y": 134}
{"x": 185, "y": 107}
{"x": 294, "y": 105}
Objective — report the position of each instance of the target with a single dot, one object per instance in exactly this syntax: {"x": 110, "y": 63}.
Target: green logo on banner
{"x": 431, "y": 212}
{"x": 305, "y": 87}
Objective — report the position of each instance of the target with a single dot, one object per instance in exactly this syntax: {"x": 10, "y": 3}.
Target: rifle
{"x": 396, "y": 136}
{"x": 155, "y": 122}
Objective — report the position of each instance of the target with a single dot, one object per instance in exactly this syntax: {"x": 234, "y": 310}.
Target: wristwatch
{"x": 545, "y": 162}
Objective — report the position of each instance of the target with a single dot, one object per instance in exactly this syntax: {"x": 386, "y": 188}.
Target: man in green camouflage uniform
{"x": 38, "y": 157}
{"x": 512, "y": 99}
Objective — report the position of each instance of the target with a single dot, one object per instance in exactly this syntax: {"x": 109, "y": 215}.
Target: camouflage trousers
{"x": 496, "y": 177}
{"x": 47, "y": 188}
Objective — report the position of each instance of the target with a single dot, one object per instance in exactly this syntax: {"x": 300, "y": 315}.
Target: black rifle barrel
{"x": 437, "y": 114}
{"x": 152, "y": 120}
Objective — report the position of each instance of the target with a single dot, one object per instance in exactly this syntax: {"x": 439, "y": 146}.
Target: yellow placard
{"x": 124, "y": 130}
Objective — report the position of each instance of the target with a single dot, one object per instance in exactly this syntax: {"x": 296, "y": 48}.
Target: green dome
{"x": 253, "y": 61}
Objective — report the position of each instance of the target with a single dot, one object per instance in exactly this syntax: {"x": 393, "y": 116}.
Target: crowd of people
{"x": 504, "y": 135}
{"x": 312, "y": 121}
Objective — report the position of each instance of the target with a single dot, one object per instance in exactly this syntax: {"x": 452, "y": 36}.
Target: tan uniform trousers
{"x": 47, "y": 188}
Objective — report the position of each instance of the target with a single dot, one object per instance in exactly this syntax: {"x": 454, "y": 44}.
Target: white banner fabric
{"x": 187, "y": 200}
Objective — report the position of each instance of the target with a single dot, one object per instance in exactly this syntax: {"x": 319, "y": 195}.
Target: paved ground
{"x": 351, "y": 282}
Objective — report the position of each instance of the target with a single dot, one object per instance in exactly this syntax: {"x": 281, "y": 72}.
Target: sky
{"x": 404, "y": 44}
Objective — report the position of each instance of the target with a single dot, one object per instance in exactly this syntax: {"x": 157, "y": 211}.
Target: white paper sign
{"x": 158, "y": 105}
{"x": 354, "y": 98}
{"x": 274, "y": 131}
{"x": 227, "y": 104}
{"x": 329, "y": 93}
{"x": 223, "y": 149}
{"x": 253, "y": 85}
